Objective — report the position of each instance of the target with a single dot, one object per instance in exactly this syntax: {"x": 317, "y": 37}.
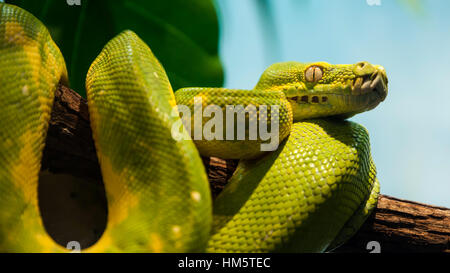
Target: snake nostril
{"x": 361, "y": 64}
{"x": 364, "y": 69}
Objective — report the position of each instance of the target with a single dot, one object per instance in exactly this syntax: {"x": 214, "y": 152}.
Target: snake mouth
{"x": 371, "y": 83}
{"x": 372, "y": 87}
{"x": 344, "y": 94}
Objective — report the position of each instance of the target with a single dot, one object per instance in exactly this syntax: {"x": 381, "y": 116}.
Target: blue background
{"x": 410, "y": 130}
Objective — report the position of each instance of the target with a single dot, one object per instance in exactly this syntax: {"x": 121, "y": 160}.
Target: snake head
{"x": 321, "y": 89}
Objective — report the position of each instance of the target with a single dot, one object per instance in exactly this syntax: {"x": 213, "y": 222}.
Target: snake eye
{"x": 313, "y": 74}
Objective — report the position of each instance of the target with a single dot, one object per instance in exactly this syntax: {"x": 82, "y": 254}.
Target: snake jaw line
{"x": 308, "y": 99}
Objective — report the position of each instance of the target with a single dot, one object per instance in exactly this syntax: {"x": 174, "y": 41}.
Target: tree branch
{"x": 398, "y": 225}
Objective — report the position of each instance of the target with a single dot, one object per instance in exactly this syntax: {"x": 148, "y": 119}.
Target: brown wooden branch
{"x": 71, "y": 184}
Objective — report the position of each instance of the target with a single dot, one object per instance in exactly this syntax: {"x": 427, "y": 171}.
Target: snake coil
{"x": 311, "y": 194}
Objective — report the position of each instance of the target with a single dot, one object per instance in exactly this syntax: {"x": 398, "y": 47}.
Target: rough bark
{"x": 70, "y": 169}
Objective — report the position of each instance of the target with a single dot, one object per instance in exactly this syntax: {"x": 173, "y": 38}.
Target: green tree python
{"x": 309, "y": 195}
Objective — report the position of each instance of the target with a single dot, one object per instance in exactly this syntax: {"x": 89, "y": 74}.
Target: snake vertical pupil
{"x": 313, "y": 74}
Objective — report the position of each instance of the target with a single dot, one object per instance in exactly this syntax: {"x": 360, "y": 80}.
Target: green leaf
{"x": 182, "y": 34}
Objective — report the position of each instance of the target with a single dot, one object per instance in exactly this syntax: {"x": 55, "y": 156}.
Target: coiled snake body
{"x": 310, "y": 194}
